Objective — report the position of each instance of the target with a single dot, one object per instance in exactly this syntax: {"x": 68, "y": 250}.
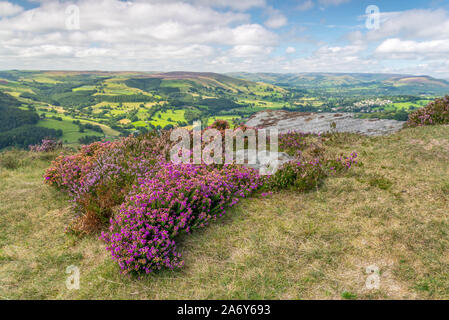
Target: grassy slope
{"x": 71, "y": 132}
{"x": 393, "y": 212}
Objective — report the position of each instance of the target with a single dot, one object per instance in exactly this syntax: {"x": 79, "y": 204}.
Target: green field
{"x": 71, "y": 132}
{"x": 168, "y": 117}
{"x": 229, "y": 119}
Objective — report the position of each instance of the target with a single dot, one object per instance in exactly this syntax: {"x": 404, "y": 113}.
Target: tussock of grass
{"x": 391, "y": 212}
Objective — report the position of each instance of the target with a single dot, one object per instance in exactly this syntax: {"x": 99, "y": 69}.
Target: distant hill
{"x": 207, "y": 80}
{"x": 404, "y": 84}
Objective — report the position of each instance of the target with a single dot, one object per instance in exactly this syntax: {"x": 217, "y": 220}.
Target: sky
{"x": 375, "y": 36}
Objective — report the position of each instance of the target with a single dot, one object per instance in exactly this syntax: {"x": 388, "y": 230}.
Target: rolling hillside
{"x": 404, "y": 84}
{"x": 122, "y": 102}
{"x": 95, "y": 104}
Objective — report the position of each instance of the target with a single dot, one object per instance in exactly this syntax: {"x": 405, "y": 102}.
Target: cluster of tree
{"x": 154, "y": 109}
{"x": 62, "y": 94}
{"x": 400, "y": 115}
{"x": 124, "y": 98}
{"x": 82, "y": 98}
{"x": 300, "y": 108}
{"x": 18, "y": 127}
{"x": 192, "y": 114}
{"x": 167, "y": 91}
{"x": 145, "y": 84}
{"x": 55, "y": 118}
{"x": 88, "y": 126}
{"x": 216, "y": 105}
{"x": 26, "y": 135}
{"x": 89, "y": 139}
{"x": 132, "y": 115}
{"x": 153, "y": 85}
{"x": 12, "y": 117}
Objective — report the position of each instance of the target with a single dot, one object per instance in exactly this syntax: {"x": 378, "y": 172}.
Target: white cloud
{"x": 214, "y": 35}
{"x": 276, "y": 19}
{"x": 333, "y": 59}
{"x": 332, "y": 2}
{"x": 241, "y": 5}
{"x": 305, "y": 5}
{"x": 9, "y": 9}
{"x": 121, "y": 35}
{"x": 418, "y": 38}
{"x": 412, "y": 24}
{"x": 415, "y": 49}
{"x": 249, "y": 51}
{"x": 46, "y": 51}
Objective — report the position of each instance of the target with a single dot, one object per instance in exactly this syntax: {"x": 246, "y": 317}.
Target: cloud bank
{"x": 216, "y": 35}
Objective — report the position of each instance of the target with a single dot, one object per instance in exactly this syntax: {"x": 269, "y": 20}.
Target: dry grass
{"x": 391, "y": 212}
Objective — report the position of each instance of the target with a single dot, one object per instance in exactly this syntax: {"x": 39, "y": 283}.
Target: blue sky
{"x": 226, "y": 35}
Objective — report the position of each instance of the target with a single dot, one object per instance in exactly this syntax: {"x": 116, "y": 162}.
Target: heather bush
{"x": 220, "y": 125}
{"x": 101, "y": 174}
{"x": 47, "y": 145}
{"x": 149, "y": 201}
{"x": 305, "y": 176}
{"x": 297, "y": 175}
{"x": 295, "y": 143}
{"x": 311, "y": 166}
{"x": 178, "y": 198}
{"x": 436, "y": 112}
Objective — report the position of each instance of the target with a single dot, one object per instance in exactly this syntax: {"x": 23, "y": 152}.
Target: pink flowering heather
{"x": 436, "y": 112}
{"x": 47, "y": 145}
{"x": 293, "y": 142}
{"x": 149, "y": 201}
{"x": 178, "y": 198}
{"x": 303, "y": 175}
{"x": 99, "y": 177}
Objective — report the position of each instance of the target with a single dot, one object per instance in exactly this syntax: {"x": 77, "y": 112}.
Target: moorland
{"x": 217, "y": 231}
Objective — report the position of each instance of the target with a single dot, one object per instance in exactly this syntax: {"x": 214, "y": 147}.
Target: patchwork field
{"x": 71, "y": 133}
{"x": 122, "y": 103}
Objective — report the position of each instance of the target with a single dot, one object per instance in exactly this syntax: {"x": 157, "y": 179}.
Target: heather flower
{"x": 178, "y": 198}
{"x": 47, "y": 145}
{"x": 436, "y": 112}
{"x": 149, "y": 201}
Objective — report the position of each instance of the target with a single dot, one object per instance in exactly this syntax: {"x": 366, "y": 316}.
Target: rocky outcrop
{"x": 267, "y": 162}
{"x": 322, "y": 122}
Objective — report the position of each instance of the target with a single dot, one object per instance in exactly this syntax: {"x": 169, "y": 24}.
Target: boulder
{"x": 285, "y": 121}
{"x": 267, "y": 162}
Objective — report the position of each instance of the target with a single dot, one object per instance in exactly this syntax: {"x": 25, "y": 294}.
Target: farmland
{"x": 96, "y": 105}
{"x": 121, "y": 103}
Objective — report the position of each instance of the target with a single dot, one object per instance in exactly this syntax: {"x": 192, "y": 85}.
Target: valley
{"x": 82, "y": 107}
